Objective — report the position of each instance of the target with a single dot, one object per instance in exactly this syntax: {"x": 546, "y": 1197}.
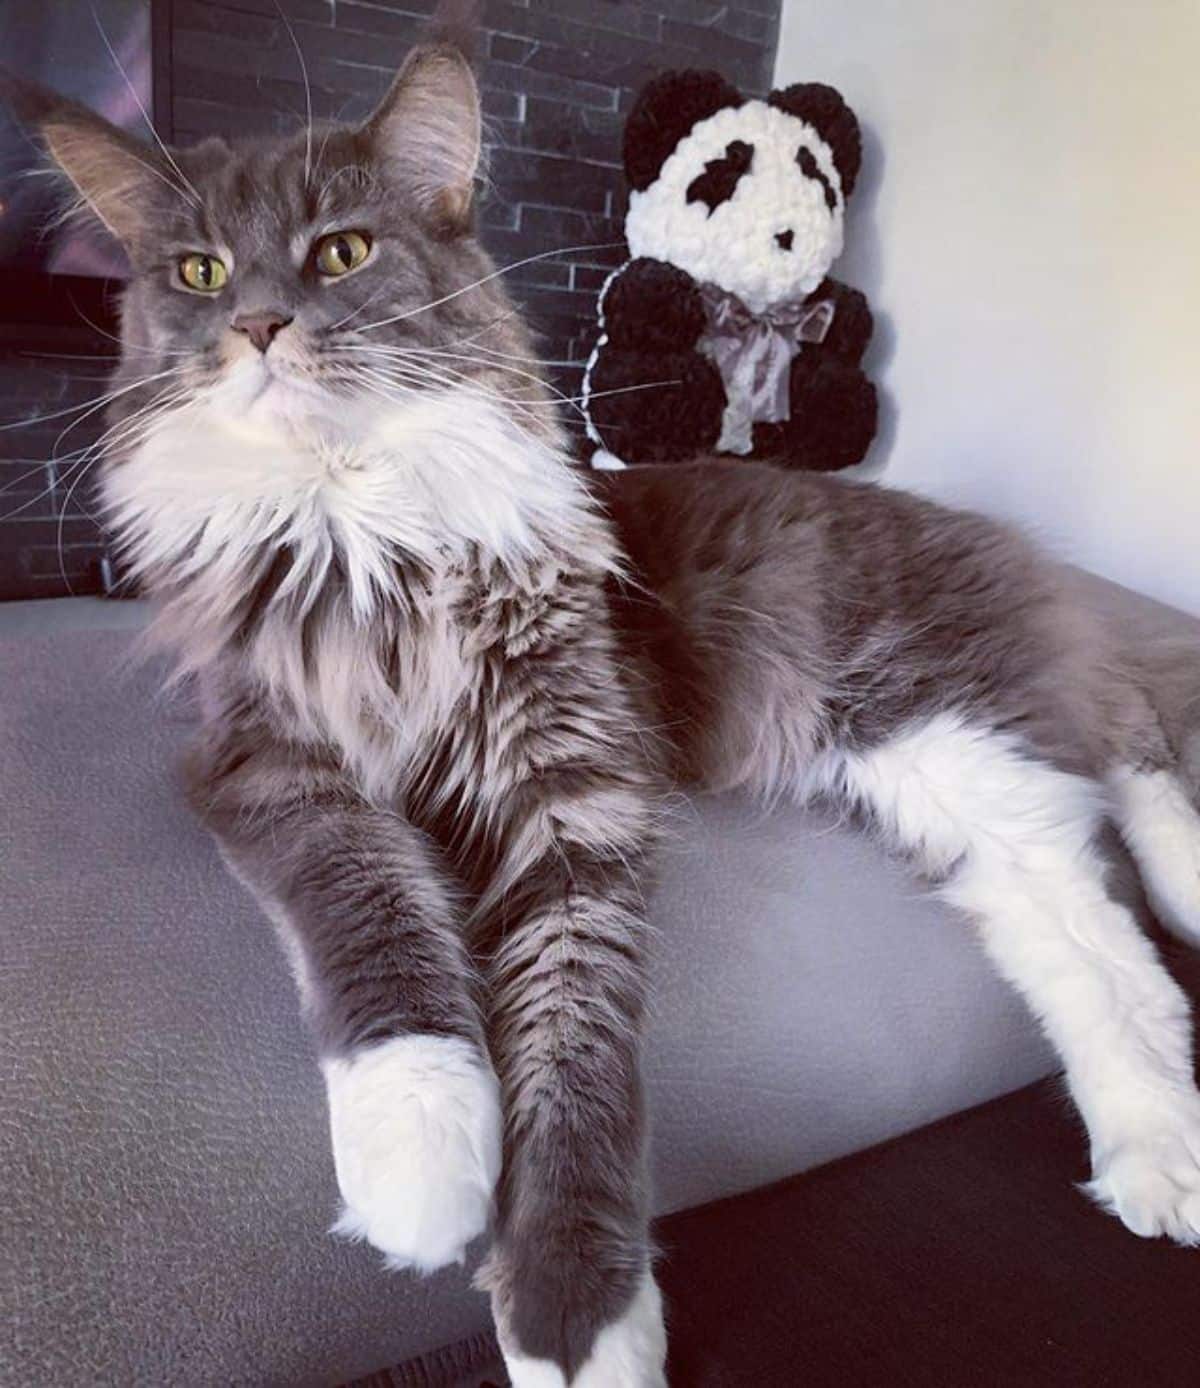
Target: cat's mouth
{"x": 269, "y": 381}
{"x": 283, "y": 400}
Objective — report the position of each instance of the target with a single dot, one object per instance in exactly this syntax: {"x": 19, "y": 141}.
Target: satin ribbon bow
{"x": 753, "y": 352}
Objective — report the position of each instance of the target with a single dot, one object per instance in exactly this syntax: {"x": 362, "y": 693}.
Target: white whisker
{"x": 49, "y": 490}
{"x": 40, "y": 464}
{"x": 420, "y": 356}
{"x": 138, "y": 424}
{"x": 502, "y": 356}
{"x": 170, "y": 158}
{"x": 464, "y": 385}
{"x": 62, "y": 522}
{"x": 72, "y": 356}
{"x": 624, "y": 390}
{"x": 308, "y": 109}
{"x": 97, "y": 401}
{"x": 431, "y": 379}
{"x": 495, "y": 274}
{"x": 446, "y": 375}
{"x": 495, "y": 366}
{"x": 333, "y": 327}
{"x": 400, "y": 354}
{"x": 334, "y": 125}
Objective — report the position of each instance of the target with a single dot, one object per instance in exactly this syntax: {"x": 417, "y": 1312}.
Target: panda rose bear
{"x": 723, "y": 333}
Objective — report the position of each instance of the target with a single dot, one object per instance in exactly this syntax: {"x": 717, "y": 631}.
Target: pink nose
{"x": 260, "y": 328}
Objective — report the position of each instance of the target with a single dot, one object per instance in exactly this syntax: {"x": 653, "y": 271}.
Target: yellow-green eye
{"x": 203, "y": 272}
{"x": 342, "y": 251}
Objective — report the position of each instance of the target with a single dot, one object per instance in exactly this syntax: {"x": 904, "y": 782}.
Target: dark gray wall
{"x": 557, "y": 76}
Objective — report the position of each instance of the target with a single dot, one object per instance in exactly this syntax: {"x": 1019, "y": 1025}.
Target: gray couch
{"x": 164, "y": 1169}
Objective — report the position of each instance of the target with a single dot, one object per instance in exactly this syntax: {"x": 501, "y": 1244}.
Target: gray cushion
{"x": 164, "y": 1162}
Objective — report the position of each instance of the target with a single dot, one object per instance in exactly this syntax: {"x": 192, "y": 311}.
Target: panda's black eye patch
{"x": 720, "y": 177}
{"x": 811, "y": 169}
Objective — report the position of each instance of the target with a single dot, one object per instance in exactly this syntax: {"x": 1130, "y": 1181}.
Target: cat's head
{"x": 279, "y": 272}
{"x": 301, "y": 309}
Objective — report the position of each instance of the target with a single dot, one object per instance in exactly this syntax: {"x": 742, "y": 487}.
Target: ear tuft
{"x": 27, "y": 101}
{"x": 427, "y": 133}
{"x": 822, "y": 107}
{"x": 664, "y": 113}
{"x": 455, "y": 24}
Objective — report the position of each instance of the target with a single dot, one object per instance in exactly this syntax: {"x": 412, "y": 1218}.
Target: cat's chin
{"x": 272, "y": 397}
{"x": 276, "y": 406}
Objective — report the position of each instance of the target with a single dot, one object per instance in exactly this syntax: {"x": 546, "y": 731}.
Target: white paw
{"x": 415, "y": 1123}
{"x": 1152, "y": 1184}
{"x": 630, "y": 1353}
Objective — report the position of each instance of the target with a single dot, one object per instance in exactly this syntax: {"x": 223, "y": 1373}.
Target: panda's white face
{"x": 750, "y": 200}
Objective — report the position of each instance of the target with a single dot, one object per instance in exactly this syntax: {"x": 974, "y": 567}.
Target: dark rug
{"x": 960, "y": 1256}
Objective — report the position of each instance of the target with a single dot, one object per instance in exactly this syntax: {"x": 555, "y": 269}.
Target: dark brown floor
{"x": 961, "y": 1256}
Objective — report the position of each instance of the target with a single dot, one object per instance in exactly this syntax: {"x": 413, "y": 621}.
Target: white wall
{"x": 1029, "y": 228}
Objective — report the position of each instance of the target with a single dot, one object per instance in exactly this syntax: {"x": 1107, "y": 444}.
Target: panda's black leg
{"x": 852, "y": 326}
{"x": 654, "y": 407}
{"x": 834, "y": 412}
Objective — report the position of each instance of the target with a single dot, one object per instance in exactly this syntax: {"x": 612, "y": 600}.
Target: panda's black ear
{"x": 822, "y": 107}
{"x": 665, "y": 111}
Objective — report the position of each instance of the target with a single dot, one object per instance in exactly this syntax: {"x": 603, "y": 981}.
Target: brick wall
{"x": 49, "y": 544}
{"x": 557, "y": 78}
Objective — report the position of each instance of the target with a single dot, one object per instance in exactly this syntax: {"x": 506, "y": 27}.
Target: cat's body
{"x": 448, "y": 680}
{"x": 495, "y": 742}
{"x": 827, "y": 614}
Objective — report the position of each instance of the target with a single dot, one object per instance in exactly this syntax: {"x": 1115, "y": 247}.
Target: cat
{"x": 447, "y": 680}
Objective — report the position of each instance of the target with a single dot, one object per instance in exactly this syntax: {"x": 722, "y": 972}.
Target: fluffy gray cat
{"x": 447, "y": 680}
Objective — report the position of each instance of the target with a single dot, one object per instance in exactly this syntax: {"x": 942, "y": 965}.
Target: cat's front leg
{"x": 570, "y": 1274}
{"x": 368, "y": 919}
{"x": 415, "y": 1123}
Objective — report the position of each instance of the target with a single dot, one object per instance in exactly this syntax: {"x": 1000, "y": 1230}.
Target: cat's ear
{"x": 427, "y": 132}
{"x": 118, "y": 178}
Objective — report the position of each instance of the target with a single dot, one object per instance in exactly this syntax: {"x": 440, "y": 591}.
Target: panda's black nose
{"x": 784, "y": 239}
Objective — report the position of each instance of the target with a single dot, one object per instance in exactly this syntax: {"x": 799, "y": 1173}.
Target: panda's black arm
{"x": 852, "y": 324}
{"x": 651, "y": 306}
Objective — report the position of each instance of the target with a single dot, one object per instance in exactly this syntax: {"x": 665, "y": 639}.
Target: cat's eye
{"x": 203, "y": 273}
{"x": 342, "y": 251}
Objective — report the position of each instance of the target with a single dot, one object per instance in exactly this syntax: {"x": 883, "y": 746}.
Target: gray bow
{"x": 753, "y": 353}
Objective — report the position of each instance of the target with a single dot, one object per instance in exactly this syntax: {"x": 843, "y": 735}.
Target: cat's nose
{"x": 260, "y": 328}
{"x": 784, "y": 239}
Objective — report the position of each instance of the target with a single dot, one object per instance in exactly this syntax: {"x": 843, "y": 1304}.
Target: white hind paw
{"x": 416, "y": 1142}
{"x": 1152, "y": 1184}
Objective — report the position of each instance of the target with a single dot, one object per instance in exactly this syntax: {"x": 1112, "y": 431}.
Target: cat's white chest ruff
{"x": 432, "y": 480}
{"x": 384, "y": 521}
{"x": 428, "y": 480}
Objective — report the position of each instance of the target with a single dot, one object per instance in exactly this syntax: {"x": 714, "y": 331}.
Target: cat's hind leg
{"x": 1161, "y": 826}
{"x": 1012, "y": 839}
{"x": 1152, "y": 807}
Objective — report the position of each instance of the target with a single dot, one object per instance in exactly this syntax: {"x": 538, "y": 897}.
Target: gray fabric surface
{"x": 163, "y": 1156}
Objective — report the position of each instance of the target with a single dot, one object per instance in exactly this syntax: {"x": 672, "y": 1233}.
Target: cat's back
{"x": 842, "y": 557}
{"x": 762, "y": 598}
